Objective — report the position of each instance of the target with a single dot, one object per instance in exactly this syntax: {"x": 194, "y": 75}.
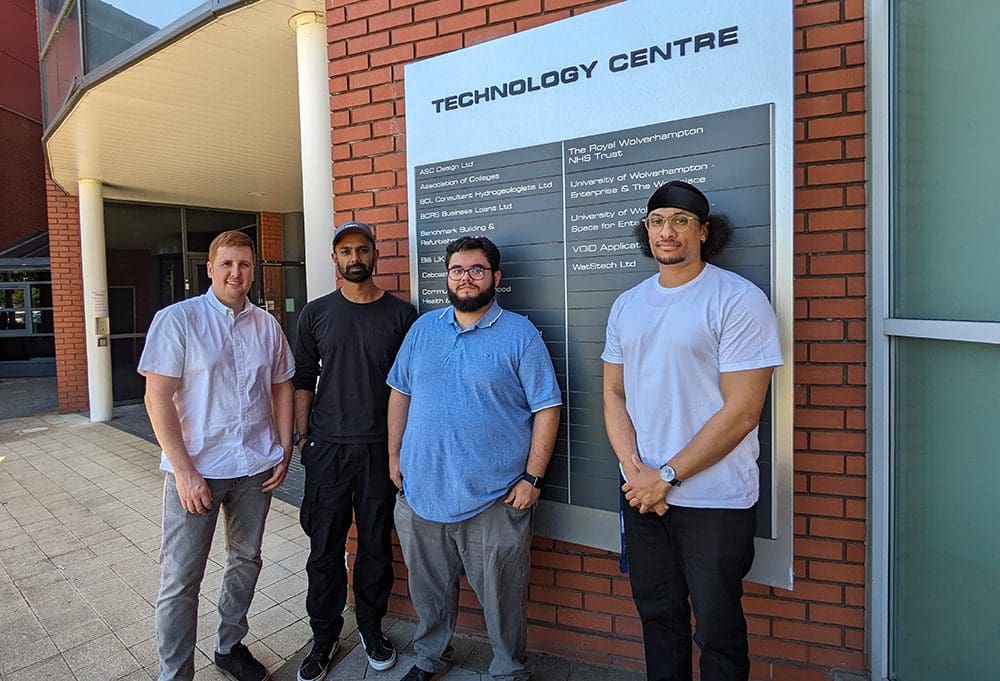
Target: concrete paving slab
{"x": 54, "y": 667}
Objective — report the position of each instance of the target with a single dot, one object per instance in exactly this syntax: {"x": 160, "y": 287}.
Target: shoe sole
{"x": 378, "y": 665}
{"x": 326, "y": 670}
{"x": 382, "y": 665}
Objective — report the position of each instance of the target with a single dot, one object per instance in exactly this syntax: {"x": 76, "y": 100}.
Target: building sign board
{"x": 550, "y": 142}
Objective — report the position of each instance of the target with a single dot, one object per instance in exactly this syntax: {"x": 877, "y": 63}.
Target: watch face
{"x": 667, "y": 473}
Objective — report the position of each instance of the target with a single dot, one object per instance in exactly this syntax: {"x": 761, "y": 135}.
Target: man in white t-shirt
{"x": 687, "y": 364}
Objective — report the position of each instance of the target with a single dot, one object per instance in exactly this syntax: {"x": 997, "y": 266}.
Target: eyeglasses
{"x": 476, "y": 272}
{"x": 679, "y": 222}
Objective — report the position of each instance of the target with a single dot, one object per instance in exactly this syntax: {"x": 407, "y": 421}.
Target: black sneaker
{"x": 418, "y": 674}
{"x": 381, "y": 654}
{"x": 240, "y": 664}
{"x": 317, "y": 662}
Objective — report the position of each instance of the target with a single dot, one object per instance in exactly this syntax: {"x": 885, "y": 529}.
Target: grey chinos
{"x": 187, "y": 542}
{"x": 493, "y": 549}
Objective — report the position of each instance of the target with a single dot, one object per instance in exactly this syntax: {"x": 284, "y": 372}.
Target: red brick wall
{"x": 271, "y": 248}
{"x": 580, "y": 605}
{"x": 67, "y": 298}
{"x": 270, "y": 236}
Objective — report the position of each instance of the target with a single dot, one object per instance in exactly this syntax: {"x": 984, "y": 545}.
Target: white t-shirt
{"x": 674, "y": 343}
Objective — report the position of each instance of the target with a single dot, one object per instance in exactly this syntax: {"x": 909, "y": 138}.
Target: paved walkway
{"x": 79, "y": 543}
{"x": 27, "y": 396}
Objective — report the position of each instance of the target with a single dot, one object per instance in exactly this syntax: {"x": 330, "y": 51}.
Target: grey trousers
{"x": 187, "y": 541}
{"x": 493, "y": 550}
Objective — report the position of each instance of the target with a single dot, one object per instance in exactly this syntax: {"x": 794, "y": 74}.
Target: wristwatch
{"x": 669, "y": 475}
{"x": 298, "y": 437}
{"x": 535, "y": 481}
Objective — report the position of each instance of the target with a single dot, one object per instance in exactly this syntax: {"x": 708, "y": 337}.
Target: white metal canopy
{"x": 208, "y": 119}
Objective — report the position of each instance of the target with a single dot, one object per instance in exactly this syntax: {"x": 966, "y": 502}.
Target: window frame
{"x": 29, "y": 309}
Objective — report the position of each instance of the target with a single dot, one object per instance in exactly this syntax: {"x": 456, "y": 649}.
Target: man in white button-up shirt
{"x": 219, "y": 397}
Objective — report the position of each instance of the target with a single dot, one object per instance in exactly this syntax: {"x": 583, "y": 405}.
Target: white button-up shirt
{"x": 227, "y": 364}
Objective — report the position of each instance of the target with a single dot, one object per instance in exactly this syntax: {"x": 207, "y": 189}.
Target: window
{"x": 25, "y": 308}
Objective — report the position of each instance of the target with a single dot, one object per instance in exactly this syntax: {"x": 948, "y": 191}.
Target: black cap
{"x": 353, "y": 228}
{"x": 677, "y": 194}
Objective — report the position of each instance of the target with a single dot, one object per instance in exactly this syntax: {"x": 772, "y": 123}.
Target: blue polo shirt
{"x": 472, "y": 396}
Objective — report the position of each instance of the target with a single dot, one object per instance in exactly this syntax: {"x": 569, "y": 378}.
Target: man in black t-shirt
{"x": 347, "y": 341}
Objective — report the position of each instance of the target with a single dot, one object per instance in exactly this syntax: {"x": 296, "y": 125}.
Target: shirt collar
{"x": 222, "y": 308}
{"x": 489, "y": 319}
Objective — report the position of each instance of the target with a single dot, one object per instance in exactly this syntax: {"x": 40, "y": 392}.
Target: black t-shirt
{"x": 350, "y": 348}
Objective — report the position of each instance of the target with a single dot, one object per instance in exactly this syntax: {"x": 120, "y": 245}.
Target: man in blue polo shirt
{"x": 473, "y": 415}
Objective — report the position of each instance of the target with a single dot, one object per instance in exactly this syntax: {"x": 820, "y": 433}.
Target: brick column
{"x": 67, "y": 298}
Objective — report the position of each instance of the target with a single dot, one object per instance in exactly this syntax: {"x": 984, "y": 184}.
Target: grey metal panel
{"x": 579, "y": 524}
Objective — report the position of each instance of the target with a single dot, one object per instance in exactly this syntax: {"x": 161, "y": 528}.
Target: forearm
{"x": 167, "y": 428}
{"x": 716, "y": 439}
{"x": 281, "y": 408}
{"x": 544, "y": 429}
{"x": 303, "y": 408}
{"x": 194, "y": 494}
{"x": 743, "y": 394}
{"x": 621, "y": 432}
{"x": 617, "y": 422}
{"x": 399, "y": 408}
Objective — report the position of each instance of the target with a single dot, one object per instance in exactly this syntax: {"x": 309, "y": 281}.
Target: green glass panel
{"x": 945, "y": 509}
{"x": 945, "y": 148}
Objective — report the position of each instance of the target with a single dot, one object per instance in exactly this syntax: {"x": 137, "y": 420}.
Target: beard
{"x": 669, "y": 259}
{"x": 355, "y": 273}
{"x": 472, "y": 303}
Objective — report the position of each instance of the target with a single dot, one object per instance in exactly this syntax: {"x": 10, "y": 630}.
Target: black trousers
{"x": 345, "y": 480}
{"x": 701, "y": 554}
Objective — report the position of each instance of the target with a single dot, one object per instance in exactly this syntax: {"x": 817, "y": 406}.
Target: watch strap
{"x": 536, "y": 481}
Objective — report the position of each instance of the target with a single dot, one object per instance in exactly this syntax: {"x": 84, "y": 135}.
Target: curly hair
{"x": 720, "y": 231}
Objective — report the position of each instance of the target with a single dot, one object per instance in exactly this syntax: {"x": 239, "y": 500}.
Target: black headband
{"x": 677, "y": 194}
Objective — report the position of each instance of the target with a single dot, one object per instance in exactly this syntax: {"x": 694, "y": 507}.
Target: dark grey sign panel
{"x": 564, "y": 217}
